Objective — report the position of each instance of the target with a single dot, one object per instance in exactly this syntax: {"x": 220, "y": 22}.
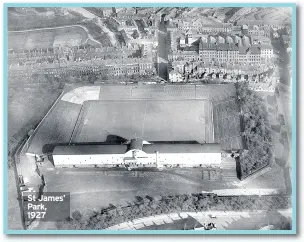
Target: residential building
{"x": 207, "y": 52}
{"x": 186, "y": 55}
{"x": 266, "y": 51}
{"x": 178, "y": 66}
{"x": 254, "y": 55}
{"x": 259, "y": 30}
{"x": 243, "y": 54}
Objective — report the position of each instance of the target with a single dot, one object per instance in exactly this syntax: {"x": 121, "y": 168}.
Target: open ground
{"x": 47, "y": 38}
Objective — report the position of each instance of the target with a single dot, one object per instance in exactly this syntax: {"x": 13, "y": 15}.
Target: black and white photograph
{"x": 149, "y": 119}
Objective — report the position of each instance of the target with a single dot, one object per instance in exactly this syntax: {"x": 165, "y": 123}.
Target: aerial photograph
{"x": 149, "y": 118}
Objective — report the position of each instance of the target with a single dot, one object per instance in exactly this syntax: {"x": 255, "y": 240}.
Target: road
{"x": 162, "y": 59}
{"x": 91, "y": 188}
{"x": 225, "y": 220}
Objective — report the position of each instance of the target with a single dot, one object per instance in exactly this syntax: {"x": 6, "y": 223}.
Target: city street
{"x": 162, "y": 60}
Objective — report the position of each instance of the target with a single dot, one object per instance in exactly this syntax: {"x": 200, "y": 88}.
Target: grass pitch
{"x": 152, "y": 120}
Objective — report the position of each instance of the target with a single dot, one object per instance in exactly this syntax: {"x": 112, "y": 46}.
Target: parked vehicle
{"x": 210, "y": 226}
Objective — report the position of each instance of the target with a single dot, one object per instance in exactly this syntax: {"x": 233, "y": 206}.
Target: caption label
{"x": 49, "y": 206}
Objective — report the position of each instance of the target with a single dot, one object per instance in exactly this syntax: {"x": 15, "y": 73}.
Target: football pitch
{"x": 152, "y": 120}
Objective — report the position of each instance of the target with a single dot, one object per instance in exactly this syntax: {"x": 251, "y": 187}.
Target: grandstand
{"x": 137, "y": 154}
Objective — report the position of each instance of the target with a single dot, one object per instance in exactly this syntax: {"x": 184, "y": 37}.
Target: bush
{"x": 76, "y": 215}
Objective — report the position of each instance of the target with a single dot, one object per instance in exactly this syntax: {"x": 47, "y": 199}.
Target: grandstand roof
{"x": 122, "y": 149}
{"x": 89, "y": 149}
{"x": 182, "y": 148}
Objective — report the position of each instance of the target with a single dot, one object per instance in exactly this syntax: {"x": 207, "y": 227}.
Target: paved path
{"x": 225, "y": 220}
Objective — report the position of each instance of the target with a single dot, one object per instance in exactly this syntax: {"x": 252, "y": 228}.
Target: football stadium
{"x": 140, "y": 125}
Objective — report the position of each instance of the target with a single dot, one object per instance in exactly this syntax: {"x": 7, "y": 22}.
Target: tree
{"x": 256, "y": 130}
{"x": 76, "y": 215}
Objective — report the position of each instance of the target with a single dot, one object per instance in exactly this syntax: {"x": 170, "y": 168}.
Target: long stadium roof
{"x": 122, "y": 149}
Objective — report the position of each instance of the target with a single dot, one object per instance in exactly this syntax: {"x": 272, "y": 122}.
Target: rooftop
{"x": 182, "y": 148}
{"x": 255, "y": 50}
{"x": 89, "y": 149}
{"x": 243, "y": 50}
{"x": 265, "y": 46}
{"x": 163, "y": 147}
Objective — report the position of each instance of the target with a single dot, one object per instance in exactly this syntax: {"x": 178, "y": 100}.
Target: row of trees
{"x": 148, "y": 206}
{"x": 257, "y": 131}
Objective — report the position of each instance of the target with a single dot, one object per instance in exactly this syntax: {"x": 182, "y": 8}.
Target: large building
{"x": 138, "y": 154}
